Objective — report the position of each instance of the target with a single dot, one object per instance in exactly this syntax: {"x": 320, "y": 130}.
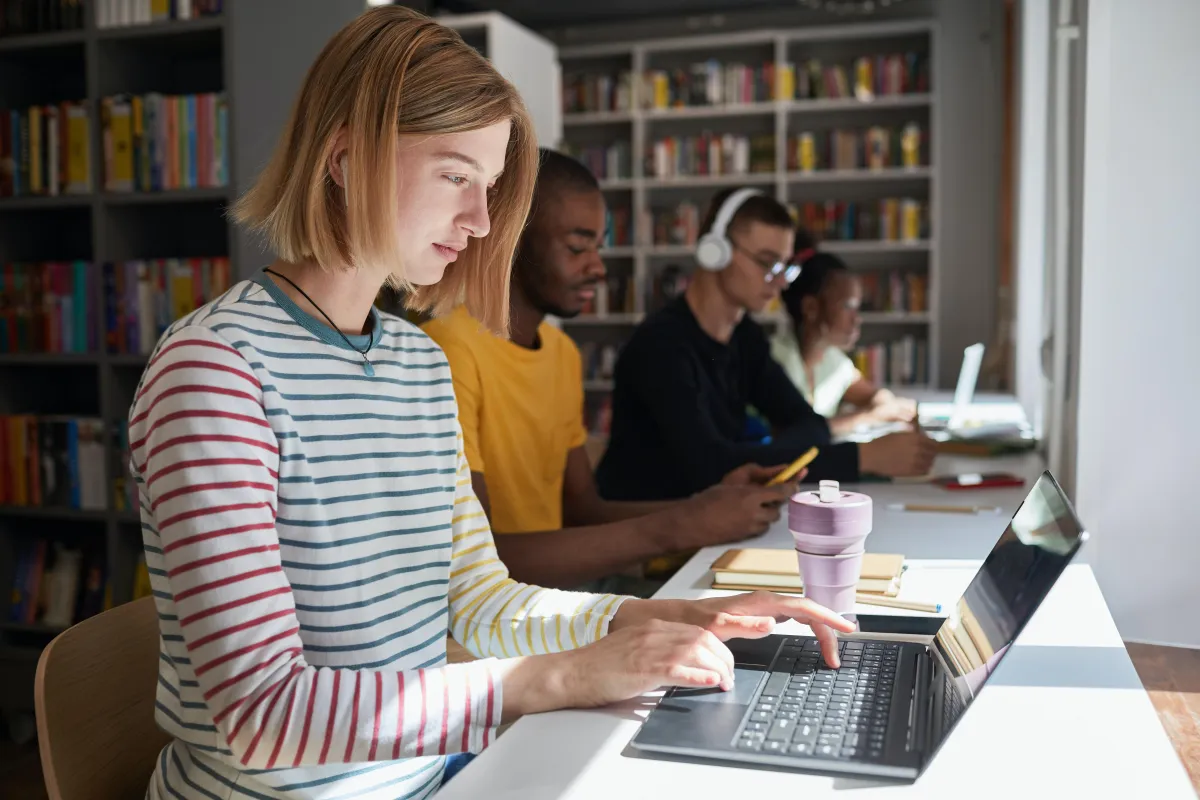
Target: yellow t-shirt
{"x": 521, "y": 412}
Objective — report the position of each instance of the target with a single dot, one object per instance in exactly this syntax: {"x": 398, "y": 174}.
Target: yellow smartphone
{"x": 794, "y": 468}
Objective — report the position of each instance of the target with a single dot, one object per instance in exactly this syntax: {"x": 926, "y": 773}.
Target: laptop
{"x": 891, "y": 705}
{"x": 937, "y": 416}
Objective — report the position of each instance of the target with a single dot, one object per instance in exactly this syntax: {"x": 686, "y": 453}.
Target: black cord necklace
{"x": 367, "y": 366}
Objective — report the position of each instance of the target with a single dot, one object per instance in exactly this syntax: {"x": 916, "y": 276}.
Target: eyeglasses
{"x": 789, "y": 272}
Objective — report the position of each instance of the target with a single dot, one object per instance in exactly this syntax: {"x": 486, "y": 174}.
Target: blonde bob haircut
{"x": 389, "y": 73}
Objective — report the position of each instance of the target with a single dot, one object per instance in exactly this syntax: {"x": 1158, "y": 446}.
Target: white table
{"x": 1064, "y": 715}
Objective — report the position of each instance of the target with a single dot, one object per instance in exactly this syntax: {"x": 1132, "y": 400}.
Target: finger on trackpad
{"x": 745, "y": 684}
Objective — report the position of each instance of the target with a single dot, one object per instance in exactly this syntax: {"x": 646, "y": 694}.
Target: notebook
{"x": 747, "y": 569}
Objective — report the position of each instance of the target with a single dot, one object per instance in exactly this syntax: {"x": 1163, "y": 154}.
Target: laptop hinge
{"x": 918, "y": 710}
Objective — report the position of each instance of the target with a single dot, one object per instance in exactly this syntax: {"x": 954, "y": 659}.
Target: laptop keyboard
{"x": 807, "y": 709}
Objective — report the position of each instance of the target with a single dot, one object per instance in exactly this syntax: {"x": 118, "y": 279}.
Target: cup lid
{"x": 849, "y": 514}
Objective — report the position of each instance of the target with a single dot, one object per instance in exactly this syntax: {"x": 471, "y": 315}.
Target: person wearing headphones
{"x": 822, "y": 304}
{"x": 686, "y": 377}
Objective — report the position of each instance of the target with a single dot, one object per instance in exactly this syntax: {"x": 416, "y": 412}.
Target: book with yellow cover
{"x": 747, "y": 569}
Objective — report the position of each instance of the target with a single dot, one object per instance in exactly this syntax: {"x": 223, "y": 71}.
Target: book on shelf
{"x": 706, "y": 83}
{"x": 20, "y": 17}
{"x": 144, "y": 296}
{"x": 48, "y": 307}
{"x": 875, "y": 148}
{"x": 607, "y": 162}
{"x": 44, "y": 150}
{"x": 589, "y": 93}
{"x": 679, "y": 225}
{"x": 55, "y": 462}
{"x": 154, "y": 142}
{"x": 614, "y": 295}
{"x": 600, "y": 423}
{"x": 864, "y": 78}
{"x": 710, "y": 154}
{"x": 599, "y": 360}
{"x": 55, "y": 585}
{"x": 123, "y": 13}
{"x": 894, "y": 291}
{"x": 890, "y": 219}
{"x": 617, "y": 230}
{"x": 901, "y": 362}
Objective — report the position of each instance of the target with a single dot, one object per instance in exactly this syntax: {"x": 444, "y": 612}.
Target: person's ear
{"x": 338, "y": 159}
{"x": 810, "y": 308}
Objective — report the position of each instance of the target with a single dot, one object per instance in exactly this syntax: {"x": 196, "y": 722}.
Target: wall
{"x": 1138, "y": 458}
{"x": 269, "y": 48}
{"x": 969, "y": 73}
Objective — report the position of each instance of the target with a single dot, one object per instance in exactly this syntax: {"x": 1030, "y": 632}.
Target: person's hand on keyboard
{"x": 754, "y": 614}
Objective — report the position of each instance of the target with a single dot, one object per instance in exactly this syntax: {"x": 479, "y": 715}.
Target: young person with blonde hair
{"x": 308, "y": 517}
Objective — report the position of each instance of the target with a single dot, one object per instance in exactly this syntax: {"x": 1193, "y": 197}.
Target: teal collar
{"x": 360, "y": 343}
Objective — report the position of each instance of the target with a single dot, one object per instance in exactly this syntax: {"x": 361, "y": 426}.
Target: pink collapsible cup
{"x": 830, "y": 529}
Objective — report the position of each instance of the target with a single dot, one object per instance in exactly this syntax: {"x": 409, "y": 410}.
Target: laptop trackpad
{"x": 706, "y": 719}
{"x": 745, "y": 684}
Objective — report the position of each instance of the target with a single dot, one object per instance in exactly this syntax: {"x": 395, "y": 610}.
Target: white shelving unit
{"x": 780, "y": 118}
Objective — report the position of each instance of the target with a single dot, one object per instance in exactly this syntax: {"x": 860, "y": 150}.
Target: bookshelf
{"x": 616, "y": 139}
{"x": 255, "y": 56}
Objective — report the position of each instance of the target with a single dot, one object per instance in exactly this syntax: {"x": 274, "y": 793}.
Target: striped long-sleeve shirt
{"x": 312, "y": 535}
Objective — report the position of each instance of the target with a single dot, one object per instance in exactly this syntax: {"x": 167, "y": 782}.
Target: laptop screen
{"x": 1016, "y": 576}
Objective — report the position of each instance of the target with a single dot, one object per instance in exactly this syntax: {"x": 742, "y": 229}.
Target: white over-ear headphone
{"x": 714, "y": 251}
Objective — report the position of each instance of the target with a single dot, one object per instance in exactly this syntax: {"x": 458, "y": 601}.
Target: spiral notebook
{"x": 748, "y": 569}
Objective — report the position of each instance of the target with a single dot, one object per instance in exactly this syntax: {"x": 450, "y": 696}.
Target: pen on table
{"x": 940, "y": 509}
{"x": 892, "y": 602}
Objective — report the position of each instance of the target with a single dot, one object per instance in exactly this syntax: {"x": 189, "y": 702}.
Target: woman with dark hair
{"x": 823, "y": 305}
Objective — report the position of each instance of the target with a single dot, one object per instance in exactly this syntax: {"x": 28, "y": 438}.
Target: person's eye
{"x": 576, "y": 251}
{"x": 458, "y": 180}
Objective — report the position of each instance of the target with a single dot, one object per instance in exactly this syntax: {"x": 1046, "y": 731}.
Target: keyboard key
{"x": 783, "y": 665}
{"x": 766, "y": 707}
{"x": 781, "y": 729}
{"x": 749, "y": 744}
{"x": 808, "y": 719}
{"x": 848, "y": 752}
{"x": 826, "y": 750}
{"x": 775, "y": 684}
{"x": 805, "y": 733}
{"x": 850, "y": 740}
{"x": 792, "y": 715}
{"x": 773, "y": 747}
{"x": 754, "y": 726}
{"x": 760, "y": 716}
{"x": 802, "y": 749}
{"x": 812, "y": 644}
{"x": 853, "y": 646}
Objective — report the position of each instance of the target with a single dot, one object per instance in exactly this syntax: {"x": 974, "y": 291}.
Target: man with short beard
{"x": 520, "y": 405}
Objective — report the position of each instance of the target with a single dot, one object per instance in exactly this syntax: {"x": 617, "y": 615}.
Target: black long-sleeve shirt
{"x": 679, "y": 411}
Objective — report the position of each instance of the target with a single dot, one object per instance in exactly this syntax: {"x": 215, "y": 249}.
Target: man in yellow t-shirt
{"x": 520, "y": 404}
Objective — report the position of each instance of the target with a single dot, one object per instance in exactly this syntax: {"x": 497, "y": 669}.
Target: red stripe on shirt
{"x": 445, "y": 714}
{"x": 204, "y": 562}
{"x": 208, "y": 587}
{"x": 290, "y": 652}
{"x": 378, "y": 711}
{"x": 209, "y": 487}
{"x": 208, "y": 612}
{"x": 190, "y": 388}
{"x": 196, "y": 438}
{"x": 466, "y": 742}
{"x": 487, "y": 720}
{"x": 424, "y": 710}
{"x": 196, "y": 463}
{"x": 241, "y": 651}
{"x": 308, "y": 715}
{"x": 353, "y": 717}
{"x": 287, "y": 718}
{"x": 193, "y": 413}
{"x": 204, "y": 537}
{"x": 183, "y": 516}
{"x": 190, "y": 343}
{"x": 212, "y": 637}
{"x": 195, "y": 364}
{"x": 399, "y": 717}
{"x": 282, "y": 684}
{"x": 337, "y": 679}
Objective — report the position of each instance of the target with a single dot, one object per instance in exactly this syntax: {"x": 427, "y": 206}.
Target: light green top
{"x": 834, "y": 373}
